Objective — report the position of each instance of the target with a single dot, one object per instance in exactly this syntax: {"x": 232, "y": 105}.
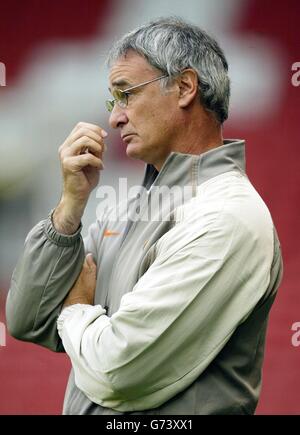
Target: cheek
{"x": 152, "y": 121}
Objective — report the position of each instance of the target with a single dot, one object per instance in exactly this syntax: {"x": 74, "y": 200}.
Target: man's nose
{"x": 118, "y": 117}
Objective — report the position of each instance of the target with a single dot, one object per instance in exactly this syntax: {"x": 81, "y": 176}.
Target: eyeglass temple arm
{"x": 144, "y": 83}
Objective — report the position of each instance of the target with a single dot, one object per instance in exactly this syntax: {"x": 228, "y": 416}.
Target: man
{"x": 166, "y": 314}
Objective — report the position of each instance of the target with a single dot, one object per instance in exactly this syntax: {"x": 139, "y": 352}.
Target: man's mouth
{"x": 127, "y": 137}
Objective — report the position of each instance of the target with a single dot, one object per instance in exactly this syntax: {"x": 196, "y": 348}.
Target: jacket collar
{"x": 185, "y": 169}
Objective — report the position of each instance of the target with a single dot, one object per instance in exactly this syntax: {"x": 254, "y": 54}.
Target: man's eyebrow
{"x": 119, "y": 83}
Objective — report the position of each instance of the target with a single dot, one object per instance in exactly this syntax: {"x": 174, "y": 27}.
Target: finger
{"x": 76, "y": 163}
{"x": 90, "y": 261}
{"x": 90, "y": 126}
{"x": 82, "y": 144}
{"x": 81, "y": 132}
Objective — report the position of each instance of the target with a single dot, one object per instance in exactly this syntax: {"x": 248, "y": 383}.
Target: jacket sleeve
{"x": 46, "y": 271}
{"x": 204, "y": 282}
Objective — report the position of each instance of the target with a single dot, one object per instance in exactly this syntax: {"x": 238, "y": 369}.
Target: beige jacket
{"x": 182, "y": 301}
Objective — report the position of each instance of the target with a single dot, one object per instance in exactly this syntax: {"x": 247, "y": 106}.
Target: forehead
{"x": 130, "y": 69}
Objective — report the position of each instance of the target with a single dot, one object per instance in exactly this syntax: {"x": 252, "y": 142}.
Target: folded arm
{"x": 47, "y": 269}
{"x": 202, "y": 285}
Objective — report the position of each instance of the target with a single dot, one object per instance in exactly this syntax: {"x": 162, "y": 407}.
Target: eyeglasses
{"x": 121, "y": 96}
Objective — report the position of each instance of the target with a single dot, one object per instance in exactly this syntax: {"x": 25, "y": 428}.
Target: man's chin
{"x": 134, "y": 151}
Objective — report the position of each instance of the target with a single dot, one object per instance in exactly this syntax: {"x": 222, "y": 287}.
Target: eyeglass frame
{"x": 110, "y": 104}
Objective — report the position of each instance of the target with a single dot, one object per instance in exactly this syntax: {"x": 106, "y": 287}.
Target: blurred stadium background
{"x": 55, "y": 77}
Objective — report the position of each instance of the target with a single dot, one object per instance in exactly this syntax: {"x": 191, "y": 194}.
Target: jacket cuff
{"x": 58, "y": 238}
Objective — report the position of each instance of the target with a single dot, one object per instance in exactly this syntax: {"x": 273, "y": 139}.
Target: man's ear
{"x": 188, "y": 87}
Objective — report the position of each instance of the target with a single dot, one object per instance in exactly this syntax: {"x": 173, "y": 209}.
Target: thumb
{"x": 90, "y": 262}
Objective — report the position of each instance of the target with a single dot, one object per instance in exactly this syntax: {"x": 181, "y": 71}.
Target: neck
{"x": 195, "y": 135}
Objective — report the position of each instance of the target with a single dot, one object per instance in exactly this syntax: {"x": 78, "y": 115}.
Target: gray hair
{"x": 172, "y": 45}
